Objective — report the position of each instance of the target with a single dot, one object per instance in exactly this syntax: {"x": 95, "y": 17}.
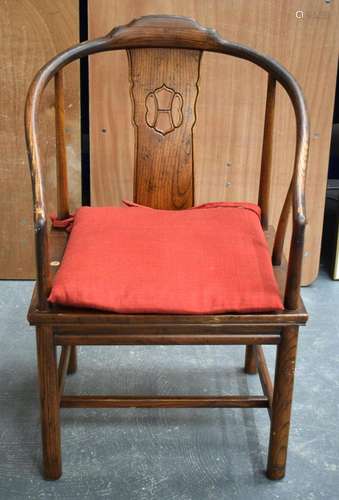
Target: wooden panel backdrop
{"x": 302, "y": 34}
{"x": 31, "y": 32}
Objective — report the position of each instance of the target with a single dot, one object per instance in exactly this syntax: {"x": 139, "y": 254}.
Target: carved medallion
{"x": 164, "y": 110}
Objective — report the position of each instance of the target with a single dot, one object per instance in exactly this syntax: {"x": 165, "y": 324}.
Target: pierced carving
{"x": 164, "y": 109}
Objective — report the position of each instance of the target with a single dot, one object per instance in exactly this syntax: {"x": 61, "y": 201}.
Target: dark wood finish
{"x": 282, "y": 403}
{"x": 49, "y": 401}
{"x": 164, "y": 54}
{"x": 250, "y": 360}
{"x": 73, "y": 361}
{"x": 90, "y": 401}
{"x": 164, "y": 83}
{"x": 266, "y": 159}
{"x": 63, "y": 366}
{"x": 157, "y": 325}
{"x": 61, "y": 160}
{"x": 164, "y": 339}
{"x": 278, "y": 249}
{"x": 264, "y": 374}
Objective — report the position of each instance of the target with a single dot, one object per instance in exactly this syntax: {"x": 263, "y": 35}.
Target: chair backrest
{"x": 164, "y": 59}
{"x": 164, "y": 90}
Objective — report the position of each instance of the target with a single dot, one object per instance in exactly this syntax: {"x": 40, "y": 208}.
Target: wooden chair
{"x": 181, "y": 42}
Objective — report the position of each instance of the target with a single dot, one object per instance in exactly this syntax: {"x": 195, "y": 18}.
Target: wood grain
{"x": 60, "y": 142}
{"x": 164, "y": 91}
{"x": 282, "y": 403}
{"x": 31, "y": 32}
{"x": 202, "y": 334}
{"x": 49, "y": 402}
{"x": 266, "y": 157}
{"x": 231, "y": 104}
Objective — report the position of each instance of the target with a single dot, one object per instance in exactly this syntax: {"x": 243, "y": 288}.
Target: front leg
{"x": 49, "y": 401}
{"x": 282, "y": 402}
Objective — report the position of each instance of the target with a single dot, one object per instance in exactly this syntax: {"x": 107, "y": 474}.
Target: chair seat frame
{"x": 68, "y": 328}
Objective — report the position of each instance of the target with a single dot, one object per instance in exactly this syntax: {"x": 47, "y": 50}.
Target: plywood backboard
{"x": 31, "y": 32}
{"x": 302, "y": 34}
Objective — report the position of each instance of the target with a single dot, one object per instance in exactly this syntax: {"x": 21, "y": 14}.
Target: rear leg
{"x": 250, "y": 360}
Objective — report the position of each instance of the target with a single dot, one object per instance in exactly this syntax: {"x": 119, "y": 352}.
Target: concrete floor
{"x": 207, "y": 454}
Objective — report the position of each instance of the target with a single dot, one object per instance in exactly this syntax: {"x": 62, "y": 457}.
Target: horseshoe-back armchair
{"x": 164, "y": 55}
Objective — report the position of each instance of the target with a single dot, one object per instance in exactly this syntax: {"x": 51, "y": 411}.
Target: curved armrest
{"x": 296, "y": 199}
{"x": 35, "y": 91}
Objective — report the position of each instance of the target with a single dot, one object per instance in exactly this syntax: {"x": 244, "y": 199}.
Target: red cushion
{"x": 209, "y": 259}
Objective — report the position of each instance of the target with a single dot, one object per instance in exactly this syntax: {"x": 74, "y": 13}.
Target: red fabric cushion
{"x": 209, "y": 259}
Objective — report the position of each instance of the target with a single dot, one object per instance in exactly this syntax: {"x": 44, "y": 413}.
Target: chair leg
{"x": 73, "y": 361}
{"x": 49, "y": 400}
{"x": 250, "y": 360}
{"x": 282, "y": 402}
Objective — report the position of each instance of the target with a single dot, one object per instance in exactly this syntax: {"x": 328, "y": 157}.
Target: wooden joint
{"x": 61, "y": 159}
{"x": 267, "y": 148}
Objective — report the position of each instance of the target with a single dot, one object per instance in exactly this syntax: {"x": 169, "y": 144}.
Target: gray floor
{"x": 170, "y": 454}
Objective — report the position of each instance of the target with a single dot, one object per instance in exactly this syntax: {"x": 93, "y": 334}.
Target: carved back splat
{"x": 164, "y": 89}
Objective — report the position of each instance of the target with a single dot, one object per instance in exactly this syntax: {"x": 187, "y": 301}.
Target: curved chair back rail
{"x": 170, "y": 32}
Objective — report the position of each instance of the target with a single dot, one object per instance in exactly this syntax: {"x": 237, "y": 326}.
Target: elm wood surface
{"x": 49, "y": 402}
{"x": 282, "y": 403}
{"x": 231, "y": 103}
{"x": 164, "y": 92}
{"x": 266, "y": 158}
{"x": 175, "y": 338}
{"x": 70, "y": 327}
{"x": 61, "y": 159}
{"x": 278, "y": 248}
